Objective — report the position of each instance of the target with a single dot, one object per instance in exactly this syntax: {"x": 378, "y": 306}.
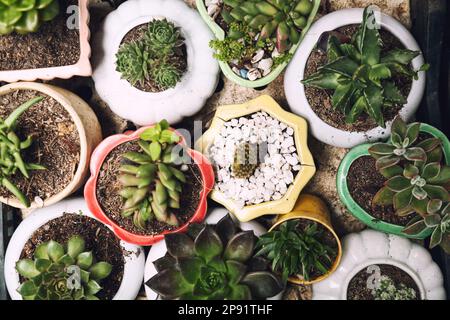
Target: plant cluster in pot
{"x": 148, "y": 183}
{"x": 256, "y": 38}
{"x": 62, "y": 253}
{"x": 47, "y": 136}
{"x": 260, "y": 155}
{"x": 354, "y": 72}
{"x": 401, "y": 186}
{"x": 380, "y": 266}
{"x": 213, "y": 261}
{"x": 57, "y": 32}
{"x": 154, "y": 54}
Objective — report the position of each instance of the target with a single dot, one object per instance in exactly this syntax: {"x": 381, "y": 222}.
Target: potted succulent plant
{"x": 147, "y": 183}
{"x": 256, "y": 39}
{"x": 62, "y": 253}
{"x": 361, "y": 70}
{"x": 393, "y": 185}
{"x": 58, "y": 32}
{"x": 302, "y": 245}
{"x": 260, "y": 155}
{"x": 379, "y": 266}
{"x": 155, "y": 54}
{"x": 47, "y": 135}
{"x": 212, "y": 261}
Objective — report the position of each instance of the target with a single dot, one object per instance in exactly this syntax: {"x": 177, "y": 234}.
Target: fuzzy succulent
{"x": 59, "y": 272}
{"x": 25, "y": 16}
{"x": 133, "y": 62}
{"x": 294, "y": 252}
{"x": 437, "y": 219}
{"x": 152, "y": 184}
{"x": 162, "y": 36}
{"x": 11, "y": 147}
{"x": 360, "y": 76}
{"x": 279, "y": 19}
{"x": 245, "y": 160}
{"x": 214, "y": 263}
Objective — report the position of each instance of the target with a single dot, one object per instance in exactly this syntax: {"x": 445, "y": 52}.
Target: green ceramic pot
{"x": 226, "y": 69}
{"x": 355, "y": 208}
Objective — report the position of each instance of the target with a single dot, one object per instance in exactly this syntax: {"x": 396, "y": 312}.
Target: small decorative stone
{"x": 253, "y": 74}
{"x": 244, "y": 73}
{"x": 258, "y": 56}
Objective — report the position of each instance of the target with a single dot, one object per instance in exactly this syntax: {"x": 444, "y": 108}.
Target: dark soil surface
{"x": 56, "y": 144}
{"x": 102, "y": 241}
{"x": 108, "y": 187}
{"x": 357, "y": 288}
{"x": 180, "y": 57}
{"x": 320, "y": 100}
{"x": 53, "y": 45}
{"x": 364, "y": 181}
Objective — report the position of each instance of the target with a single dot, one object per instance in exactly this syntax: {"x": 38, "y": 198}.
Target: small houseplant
{"x": 405, "y": 179}
{"x": 58, "y": 119}
{"x": 147, "y": 183}
{"x": 58, "y": 32}
{"x": 357, "y": 78}
{"x": 256, "y": 39}
{"x": 62, "y": 253}
{"x": 155, "y": 54}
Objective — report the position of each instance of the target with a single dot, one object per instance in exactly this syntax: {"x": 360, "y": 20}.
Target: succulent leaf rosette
{"x": 361, "y": 76}
{"x": 213, "y": 263}
{"x": 25, "y": 16}
{"x": 59, "y": 272}
{"x": 162, "y": 36}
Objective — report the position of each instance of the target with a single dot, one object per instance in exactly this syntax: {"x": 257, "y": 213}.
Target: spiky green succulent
{"x": 11, "y": 147}
{"x": 214, "y": 263}
{"x": 152, "y": 183}
{"x": 163, "y": 36}
{"x": 59, "y": 272}
{"x": 361, "y": 77}
{"x": 279, "y": 19}
{"x": 25, "y": 16}
{"x": 295, "y": 252}
{"x": 437, "y": 219}
{"x": 167, "y": 74}
{"x": 133, "y": 62}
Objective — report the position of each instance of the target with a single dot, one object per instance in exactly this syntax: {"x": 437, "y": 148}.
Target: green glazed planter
{"x": 226, "y": 69}
{"x": 356, "y": 210}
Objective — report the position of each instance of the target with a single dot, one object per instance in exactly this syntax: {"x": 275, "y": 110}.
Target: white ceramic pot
{"x": 295, "y": 90}
{"x": 372, "y": 247}
{"x": 145, "y": 108}
{"x": 159, "y": 250}
{"x": 134, "y": 259}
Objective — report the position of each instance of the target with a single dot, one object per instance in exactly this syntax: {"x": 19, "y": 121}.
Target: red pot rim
{"x": 98, "y": 157}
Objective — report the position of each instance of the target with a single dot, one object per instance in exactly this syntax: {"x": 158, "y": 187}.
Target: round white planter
{"x": 295, "y": 90}
{"x": 372, "y": 247}
{"x": 145, "y": 108}
{"x": 134, "y": 261}
{"x": 159, "y": 250}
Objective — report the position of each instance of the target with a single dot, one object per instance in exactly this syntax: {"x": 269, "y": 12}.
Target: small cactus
{"x": 245, "y": 160}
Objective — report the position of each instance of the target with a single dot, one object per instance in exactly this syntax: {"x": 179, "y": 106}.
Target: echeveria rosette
{"x": 361, "y": 77}
{"x": 213, "y": 263}
{"x": 162, "y": 36}
{"x": 25, "y": 16}
{"x": 133, "y": 62}
{"x": 62, "y": 273}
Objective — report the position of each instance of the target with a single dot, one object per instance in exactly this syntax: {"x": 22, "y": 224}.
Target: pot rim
{"x": 296, "y": 97}
{"x": 98, "y": 157}
{"x": 355, "y": 209}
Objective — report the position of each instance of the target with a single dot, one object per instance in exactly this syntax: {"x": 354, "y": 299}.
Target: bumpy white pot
{"x": 145, "y": 108}
{"x": 159, "y": 250}
{"x": 295, "y": 90}
{"x": 372, "y": 247}
{"x": 134, "y": 257}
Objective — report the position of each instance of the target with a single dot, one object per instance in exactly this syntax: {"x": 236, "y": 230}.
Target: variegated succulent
{"x": 214, "y": 263}
{"x": 361, "y": 76}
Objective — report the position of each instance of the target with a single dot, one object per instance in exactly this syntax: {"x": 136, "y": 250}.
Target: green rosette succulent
{"x": 166, "y": 74}
{"x": 361, "y": 76}
{"x": 213, "y": 263}
{"x": 152, "y": 183}
{"x": 11, "y": 147}
{"x": 133, "y": 62}
{"x": 163, "y": 36}
{"x": 62, "y": 273}
{"x": 25, "y": 16}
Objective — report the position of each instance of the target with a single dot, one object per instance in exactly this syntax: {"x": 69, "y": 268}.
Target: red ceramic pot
{"x": 98, "y": 157}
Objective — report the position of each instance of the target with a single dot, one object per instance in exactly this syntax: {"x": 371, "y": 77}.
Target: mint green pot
{"x": 226, "y": 69}
{"x": 356, "y": 210}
